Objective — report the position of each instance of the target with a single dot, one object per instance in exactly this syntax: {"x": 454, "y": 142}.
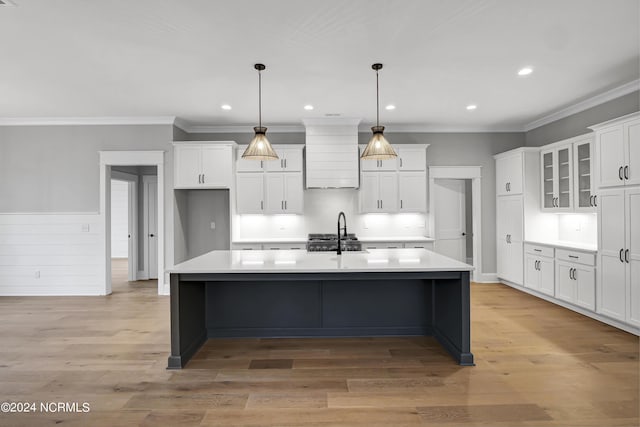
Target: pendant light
{"x": 378, "y": 147}
{"x": 259, "y": 148}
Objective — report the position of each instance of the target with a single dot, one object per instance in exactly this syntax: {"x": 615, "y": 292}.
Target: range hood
{"x": 332, "y": 158}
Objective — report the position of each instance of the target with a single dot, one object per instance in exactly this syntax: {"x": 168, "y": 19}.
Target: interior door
{"x": 131, "y": 230}
{"x": 152, "y": 226}
{"x": 449, "y": 218}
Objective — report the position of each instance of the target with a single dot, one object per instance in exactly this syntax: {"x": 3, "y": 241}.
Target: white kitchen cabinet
{"x": 539, "y": 269}
{"x": 379, "y": 192}
{"x": 509, "y": 174}
{"x": 283, "y": 246}
{"x": 584, "y": 182}
{"x": 412, "y": 158}
{"x": 250, "y": 165}
{"x": 419, "y": 245}
{"x": 246, "y": 246}
{"x": 283, "y": 193}
{"x": 290, "y": 160}
{"x": 382, "y": 245}
{"x": 575, "y": 280}
{"x": 378, "y": 165}
{"x": 557, "y": 178}
{"x": 618, "y": 287}
{"x": 618, "y": 151}
{"x": 203, "y": 165}
{"x": 412, "y": 188}
{"x": 250, "y": 193}
{"x": 510, "y": 235}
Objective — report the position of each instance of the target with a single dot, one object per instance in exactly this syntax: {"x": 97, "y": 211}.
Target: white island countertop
{"x": 296, "y": 261}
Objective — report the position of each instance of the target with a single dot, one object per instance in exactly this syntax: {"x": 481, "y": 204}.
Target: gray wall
{"x": 446, "y": 149}
{"x": 579, "y": 123}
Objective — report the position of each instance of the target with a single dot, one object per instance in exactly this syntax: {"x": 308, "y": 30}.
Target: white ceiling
{"x": 78, "y": 58}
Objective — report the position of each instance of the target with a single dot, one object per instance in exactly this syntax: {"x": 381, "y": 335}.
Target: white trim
{"x": 85, "y": 121}
{"x": 463, "y": 172}
{"x": 615, "y": 121}
{"x": 131, "y": 158}
{"x": 594, "y": 101}
{"x": 488, "y": 278}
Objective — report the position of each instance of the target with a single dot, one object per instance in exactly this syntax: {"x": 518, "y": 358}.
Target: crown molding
{"x": 86, "y": 121}
{"x": 594, "y": 101}
{"x": 192, "y": 128}
{"x": 417, "y": 128}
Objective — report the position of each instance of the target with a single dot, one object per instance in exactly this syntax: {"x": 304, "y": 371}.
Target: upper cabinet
{"x": 584, "y": 167}
{"x": 557, "y": 178}
{"x": 618, "y": 151}
{"x": 290, "y": 161}
{"x": 395, "y": 185}
{"x": 509, "y": 174}
{"x": 203, "y": 165}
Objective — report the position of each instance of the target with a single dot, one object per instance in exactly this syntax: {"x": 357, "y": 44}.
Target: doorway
{"x": 455, "y": 213}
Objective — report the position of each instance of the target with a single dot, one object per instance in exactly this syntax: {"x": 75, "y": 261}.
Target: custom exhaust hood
{"x": 332, "y": 159}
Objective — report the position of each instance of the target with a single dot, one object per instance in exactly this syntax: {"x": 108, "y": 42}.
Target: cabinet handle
{"x": 535, "y": 265}
{"x": 400, "y": 161}
{"x": 591, "y": 201}
{"x": 199, "y": 178}
{"x": 281, "y": 204}
{"x": 261, "y": 164}
{"x": 261, "y": 204}
{"x": 573, "y": 256}
{"x": 626, "y": 172}
{"x": 380, "y": 200}
{"x": 506, "y": 187}
{"x": 285, "y": 205}
{"x": 400, "y": 203}
{"x": 620, "y": 173}
{"x": 595, "y": 200}
{"x": 538, "y": 250}
{"x": 626, "y": 256}
{"x": 203, "y": 178}
{"x": 620, "y": 255}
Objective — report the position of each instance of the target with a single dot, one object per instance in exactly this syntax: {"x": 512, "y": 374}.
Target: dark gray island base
{"x": 324, "y": 304}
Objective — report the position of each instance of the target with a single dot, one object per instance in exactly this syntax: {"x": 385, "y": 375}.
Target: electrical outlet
{"x": 213, "y": 225}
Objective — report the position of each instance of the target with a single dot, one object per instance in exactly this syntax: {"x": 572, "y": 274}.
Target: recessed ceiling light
{"x": 308, "y": 107}
{"x": 226, "y": 107}
{"x": 472, "y": 107}
{"x": 390, "y": 107}
{"x": 525, "y": 71}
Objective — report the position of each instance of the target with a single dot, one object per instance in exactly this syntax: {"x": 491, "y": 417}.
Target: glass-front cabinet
{"x": 585, "y": 196}
{"x": 557, "y": 178}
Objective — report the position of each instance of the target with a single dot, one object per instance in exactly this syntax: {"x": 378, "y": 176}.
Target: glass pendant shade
{"x": 378, "y": 147}
{"x": 259, "y": 148}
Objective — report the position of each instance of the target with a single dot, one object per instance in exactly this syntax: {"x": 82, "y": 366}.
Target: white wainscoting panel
{"x": 51, "y": 254}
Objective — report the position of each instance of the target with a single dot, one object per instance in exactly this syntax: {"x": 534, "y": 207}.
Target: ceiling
{"x": 151, "y": 58}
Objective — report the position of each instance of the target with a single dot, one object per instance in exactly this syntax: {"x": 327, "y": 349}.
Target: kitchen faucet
{"x": 341, "y": 215}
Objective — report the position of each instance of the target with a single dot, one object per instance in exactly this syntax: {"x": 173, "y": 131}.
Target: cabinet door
{"x": 274, "y": 193}
{"x": 564, "y": 196}
{"x": 548, "y": 179}
{"x": 250, "y": 193}
{"x": 412, "y": 159}
{"x": 547, "y": 276}
{"x": 369, "y": 194}
{"x": 611, "y": 156}
{"x": 583, "y": 185}
{"x": 243, "y": 165}
{"x": 516, "y": 262}
{"x": 565, "y": 285}
{"x": 632, "y": 135}
{"x": 292, "y": 160}
{"x": 502, "y": 172}
{"x": 584, "y": 278}
{"x": 188, "y": 166}
{"x": 378, "y": 165}
{"x": 515, "y": 172}
{"x": 531, "y": 273}
{"x": 412, "y": 187}
{"x": 293, "y": 193}
{"x": 611, "y": 286}
{"x": 502, "y": 257}
{"x": 510, "y": 218}
{"x": 388, "y": 187}
{"x": 632, "y": 205}
{"x": 216, "y": 166}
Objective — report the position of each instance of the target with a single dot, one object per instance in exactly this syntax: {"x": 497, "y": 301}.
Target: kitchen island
{"x": 293, "y": 293}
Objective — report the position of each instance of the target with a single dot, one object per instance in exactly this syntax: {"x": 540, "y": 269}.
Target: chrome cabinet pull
{"x": 626, "y": 256}
{"x": 590, "y": 200}
{"x": 620, "y": 255}
{"x": 261, "y": 204}
{"x": 400, "y": 161}
{"x": 595, "y": 200}
{"x": 506, "y": 187}
{"x": 285, "y": 205}
{"x": 573, "y": 256}
{"x": 620, "y": 173}
{"x": 400, "y": 203}
{"x": 203, "y": 178}
{"x": 538, "y": 250}
{"x": 626, "y": 172}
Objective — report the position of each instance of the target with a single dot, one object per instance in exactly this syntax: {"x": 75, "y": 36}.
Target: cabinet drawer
{"x": 246, "y": 246}
{"x": 538, "y": 250}
{"x": 576, "y": 257}
{"x": 283, "y": 246}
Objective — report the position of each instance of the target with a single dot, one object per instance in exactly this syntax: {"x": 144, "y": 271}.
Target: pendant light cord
{"x": 377, "y": 101}
{"x": 260, "y": 98}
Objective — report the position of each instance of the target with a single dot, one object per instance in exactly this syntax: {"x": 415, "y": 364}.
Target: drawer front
{"x": 538, "y": 250}
{"x": 246, "y": 246}
{"x": 419, "y": 245}
{"x": 577, "y": 257}
{"x": 383, "y": 245}
{"x": 283, "y": 246}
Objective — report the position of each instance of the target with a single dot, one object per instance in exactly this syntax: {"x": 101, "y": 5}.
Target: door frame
{"x": 145, "y": 209}
{"x": 129, "y": 158}
{"x": 474, "y": 173}
{"x": 132, "y": 182}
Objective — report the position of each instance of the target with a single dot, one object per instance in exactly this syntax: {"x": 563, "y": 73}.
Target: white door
{"x": 547, "y": 280}
{"x": 250, "y": 193}
{"x": 293, "y": 193}
{"x": 611, "y": 244}
{"x": 632, "y": 174}
{"x": 388, "y": 186}
{"x": 449, "y": 218}
{"x": 632, "y": 258}
{"x": 611, "y": 157}
{"x": 369, "y": 200}
{"x": 274, "y": 192}
{"x": 151, "y": 186}
{"x": 412, "y": 187}
{"x": 188, "y": 165}
{"x": 131, "y": 230}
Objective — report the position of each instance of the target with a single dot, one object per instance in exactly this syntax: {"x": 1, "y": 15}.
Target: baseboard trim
{"x": 596, "y": 316}
{"x": 488, "y": 278}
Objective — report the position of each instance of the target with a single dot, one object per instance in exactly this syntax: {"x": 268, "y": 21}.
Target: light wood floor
{"x": 537, "y": 365}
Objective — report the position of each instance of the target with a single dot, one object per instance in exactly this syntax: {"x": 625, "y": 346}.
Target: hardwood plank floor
{"x": 537, "y": 365}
